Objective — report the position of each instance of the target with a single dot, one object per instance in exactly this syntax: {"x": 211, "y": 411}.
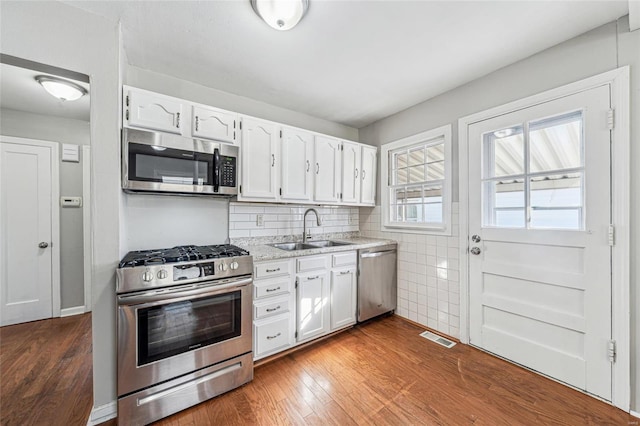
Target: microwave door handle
{"x": 216, "y": 170}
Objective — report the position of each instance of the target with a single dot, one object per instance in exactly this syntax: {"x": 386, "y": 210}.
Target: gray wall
{"x": 72, "y": 39}
{"x": 36, "y": 126}
{"x": 597, "y": 51}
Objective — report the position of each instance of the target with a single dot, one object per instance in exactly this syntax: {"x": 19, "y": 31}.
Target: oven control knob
{"x": 234, "y": 265}
{"x": 147, "y": 276}
{"x": 162, "y": 274}
{"x": 222, "y": 266}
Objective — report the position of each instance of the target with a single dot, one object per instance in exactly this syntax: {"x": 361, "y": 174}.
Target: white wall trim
{"x": 103, "y": 413}
{"x": 635, "y": 414}
{"x": 76, "y": 310}
{"x": 86, "y": 226}
{"x": 618, "y": 80}
{"x": 55, "y": 215}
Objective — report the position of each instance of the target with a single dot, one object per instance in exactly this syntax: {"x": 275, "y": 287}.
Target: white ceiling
{"x": 20, "y": 91}
{"x": 351, "y": 62}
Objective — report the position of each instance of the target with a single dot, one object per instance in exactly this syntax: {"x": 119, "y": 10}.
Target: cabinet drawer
{"x": 343, "y": 259}
{"x": 272, "y": 269}
{"x": 271, "y": 334}
{"x": 272, "y": 287}
{"x": 271, "y": 306}
{"x": 311, "y": 263}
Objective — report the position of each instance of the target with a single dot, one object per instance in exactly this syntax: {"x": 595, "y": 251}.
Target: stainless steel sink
{"x": 293, "y": 246}
{"x": 327, "y": 243}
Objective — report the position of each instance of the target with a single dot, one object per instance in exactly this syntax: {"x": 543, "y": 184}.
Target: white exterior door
{"x": 259, "y": 151}
{"x": 540, "y": 260}
{"x": 327, "y": 181}
{"x": 297, "y": 165}
{"x": 26, "y": 232}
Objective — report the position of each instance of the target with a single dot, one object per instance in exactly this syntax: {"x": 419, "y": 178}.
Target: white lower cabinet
{"x": 274, "y": 307}
{"x": 313, "y": 305}
{"x": 300, "y": 299}
{"x": 343, "y": 298}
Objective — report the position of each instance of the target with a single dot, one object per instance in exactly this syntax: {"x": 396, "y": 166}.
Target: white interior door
{"x": 540, "y": 260}
{"x": 26, "y": 232}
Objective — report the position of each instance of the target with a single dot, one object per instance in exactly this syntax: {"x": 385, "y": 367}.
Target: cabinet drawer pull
{"x": 273, "y": 337}
{"x": 273, "y": 309}
{"x": 356, "y": 174}
{"x": 363, "y": 173}
{"x": 272, "y": 270}
{"x": 272, "y": 289}
{"x": 317, "y": 168}
{"x": 345, "y": 272}
{"x": 307, "y": 166}
{"x": 273, "y": 160}
{"x": 313, "y": 278}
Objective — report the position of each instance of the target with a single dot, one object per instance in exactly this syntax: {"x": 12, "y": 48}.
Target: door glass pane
{"x": 556, "y": 143}
{"x": 504, "y": 203}
{"x": 504, "y": 152}
{"x": 557, "y": 201}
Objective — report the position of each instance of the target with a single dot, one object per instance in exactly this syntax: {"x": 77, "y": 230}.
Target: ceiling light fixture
{"x": 64, "y": 90}
{"x": 281, "y": 14}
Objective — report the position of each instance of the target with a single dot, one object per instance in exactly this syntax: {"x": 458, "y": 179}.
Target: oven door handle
{"x": 170, "y": 295}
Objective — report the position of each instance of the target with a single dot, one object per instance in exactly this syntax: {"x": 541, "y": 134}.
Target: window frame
{"x": 443, "y": 134}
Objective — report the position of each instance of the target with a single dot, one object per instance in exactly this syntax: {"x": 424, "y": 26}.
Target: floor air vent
{"x": 438, "y": 339}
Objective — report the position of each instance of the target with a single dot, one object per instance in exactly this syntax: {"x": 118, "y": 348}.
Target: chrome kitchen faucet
{"x": 304, "y": 223}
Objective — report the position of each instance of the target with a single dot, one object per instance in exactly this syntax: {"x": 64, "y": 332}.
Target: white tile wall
{"x": 284, "y": 220}
{"x": 428, "y": 272}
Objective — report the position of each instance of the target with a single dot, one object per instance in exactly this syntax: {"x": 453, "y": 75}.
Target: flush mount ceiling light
{"x": 64, "y": 90}
{"x": 281, "y": 14}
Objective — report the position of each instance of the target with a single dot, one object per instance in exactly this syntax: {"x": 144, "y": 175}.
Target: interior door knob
{"x": 475, "y": 250}
{"x": 475, "y": 238}
{"x": 43, "y": 245}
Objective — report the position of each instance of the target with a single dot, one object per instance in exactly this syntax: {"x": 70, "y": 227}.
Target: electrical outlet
{"x": 351, "y": 220}
{"x": 259, "y": 220}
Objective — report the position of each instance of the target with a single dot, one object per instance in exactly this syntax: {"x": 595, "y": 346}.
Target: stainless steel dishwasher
{"x": 377, "y": 281}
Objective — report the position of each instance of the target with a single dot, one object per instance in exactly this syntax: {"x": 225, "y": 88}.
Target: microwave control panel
{"x": 228, "y": 171}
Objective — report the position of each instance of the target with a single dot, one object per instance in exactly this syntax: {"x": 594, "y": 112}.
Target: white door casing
{"x": 29, "y": 275}
{"x": 616, "y": 84}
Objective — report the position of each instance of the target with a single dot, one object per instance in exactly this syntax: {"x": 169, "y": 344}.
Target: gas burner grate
{"x": 180, "y": 254}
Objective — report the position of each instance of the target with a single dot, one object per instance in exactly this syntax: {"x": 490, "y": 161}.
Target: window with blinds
{"x": 418, "y": 181}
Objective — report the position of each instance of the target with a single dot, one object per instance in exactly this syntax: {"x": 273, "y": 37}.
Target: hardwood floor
{"x": 45, "y": 372}
{"x": 383, "y": 373}
{"x": 379, "y": 373}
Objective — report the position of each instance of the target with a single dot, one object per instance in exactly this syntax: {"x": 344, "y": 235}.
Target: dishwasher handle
{"x": 377, "y": 253}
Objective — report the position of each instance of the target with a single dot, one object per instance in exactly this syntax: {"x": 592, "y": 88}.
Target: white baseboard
{"x": 67, "y": 312}
{"x": 635, "y": 414}
{"x": 103, "y": 413}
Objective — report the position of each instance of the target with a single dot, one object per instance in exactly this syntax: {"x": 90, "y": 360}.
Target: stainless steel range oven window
{"x": 175, "y": 328}
{"x": 151, "y": 163}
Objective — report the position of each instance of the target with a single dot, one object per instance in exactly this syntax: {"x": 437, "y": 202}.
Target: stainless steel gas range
{"x": 184, "y": 328}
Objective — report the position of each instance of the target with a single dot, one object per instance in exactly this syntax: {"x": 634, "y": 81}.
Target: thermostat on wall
{"x": 71, "y": 201}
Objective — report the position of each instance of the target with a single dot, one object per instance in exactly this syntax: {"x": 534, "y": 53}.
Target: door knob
{"x": 43, "y": 245}
{"x": 475, "y": 250}
{"x": 475, "y": 238}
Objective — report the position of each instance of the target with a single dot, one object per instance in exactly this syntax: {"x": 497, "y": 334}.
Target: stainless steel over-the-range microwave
{"x": 164, "y": 163}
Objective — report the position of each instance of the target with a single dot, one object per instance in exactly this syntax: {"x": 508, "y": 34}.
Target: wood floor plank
{"x": 378, "y": 373}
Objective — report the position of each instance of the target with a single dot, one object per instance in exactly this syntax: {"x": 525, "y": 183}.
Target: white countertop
{"x": 262, "y": 252}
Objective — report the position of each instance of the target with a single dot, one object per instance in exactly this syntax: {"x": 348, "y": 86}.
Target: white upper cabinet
{"x": 296, "y": 166}
{"x": 149, "y": 110}
{"x": 351, "y": 165}
{"x": 213, "y": 123}
{"x": 368, "y": 175}
{"x": 259, "y": 152}
{"x": 328, "y": 159}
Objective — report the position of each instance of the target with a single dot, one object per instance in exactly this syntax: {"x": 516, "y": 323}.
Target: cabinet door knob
{"x": 43, "y": 245}
{"x": 475, "y": 250}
